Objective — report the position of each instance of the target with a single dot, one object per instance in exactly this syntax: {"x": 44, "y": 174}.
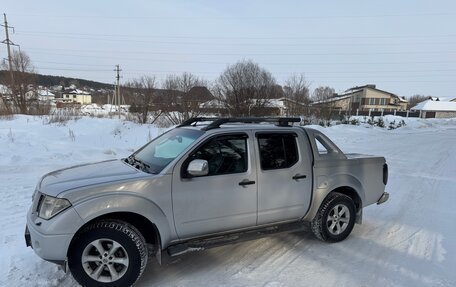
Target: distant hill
{"x": 48, "y": 80}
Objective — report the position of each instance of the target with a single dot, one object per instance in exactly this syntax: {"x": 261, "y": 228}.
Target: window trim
{"x": 183, "y": 169}
{"x": 292, "y": 133}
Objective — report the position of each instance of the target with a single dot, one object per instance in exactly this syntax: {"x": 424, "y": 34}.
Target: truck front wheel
{"x": 335, "y": 218}
{"x": 108, "y": 253}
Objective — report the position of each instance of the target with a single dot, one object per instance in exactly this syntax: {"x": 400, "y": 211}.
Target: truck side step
{"x": 231, "y": 238}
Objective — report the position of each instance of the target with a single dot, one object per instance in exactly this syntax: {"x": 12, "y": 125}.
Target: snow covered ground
{"x": 408, "y": 241}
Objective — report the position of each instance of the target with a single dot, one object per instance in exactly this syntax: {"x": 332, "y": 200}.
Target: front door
{"x": 225, "y": 199}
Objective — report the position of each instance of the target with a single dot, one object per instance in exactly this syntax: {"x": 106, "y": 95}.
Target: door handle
{"x": 246, "y": 182}
{"x": 299, "y": 176}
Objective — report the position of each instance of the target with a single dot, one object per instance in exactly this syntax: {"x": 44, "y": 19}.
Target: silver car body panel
{"x": 148, "y": 196}
{"x": 87, "y": 175}
{"x": 280, "y": 197}
{"x": 334, "y": 169}
{"x": 210, "y": 204}
{"x": 183, "y": 208}
{"x": 50, "y": 239}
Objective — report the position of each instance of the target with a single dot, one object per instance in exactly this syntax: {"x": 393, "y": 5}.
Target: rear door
{"x": 284, "y": 176}
{"x": 225, "y": 199}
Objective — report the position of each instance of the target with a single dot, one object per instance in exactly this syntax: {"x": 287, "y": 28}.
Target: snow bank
{"x": 30, "y": 149}
{"x": 105, "y": 110}
{"x": 408, "y": 241}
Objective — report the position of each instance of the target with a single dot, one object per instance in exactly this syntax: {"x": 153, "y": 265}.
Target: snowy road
{"x": 408, "y": 241}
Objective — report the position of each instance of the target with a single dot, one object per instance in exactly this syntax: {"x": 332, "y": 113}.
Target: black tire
{"x": 329, "y": 227}
{"x": 132, "y": 253}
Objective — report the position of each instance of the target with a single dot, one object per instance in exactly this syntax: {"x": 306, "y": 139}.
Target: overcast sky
{"x": 405, "y": 47}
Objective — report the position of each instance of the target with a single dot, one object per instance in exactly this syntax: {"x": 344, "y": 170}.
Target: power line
{"x": 248, "y": 54}
{"x": 327, "y": 75}
{"x": 313, "y": 44}
{"x": 250, "y": 17}
{"x": 264, "y": 63}
{"x": 243, "y": 37}
{"x": 237, "y": 43}
{"x": 73, "y": 64}
{"x": 76, "y": 70}
{"x": 215, "y": 72}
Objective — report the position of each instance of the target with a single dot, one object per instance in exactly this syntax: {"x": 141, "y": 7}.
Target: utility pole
{"x": 9, "y": 43}
{"x": 117, "y": 90}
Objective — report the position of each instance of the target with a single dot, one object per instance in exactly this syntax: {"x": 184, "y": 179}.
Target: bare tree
{"x": 142, "y": 93}
{"x": 24, "y": 79}
{"x": 245, "y": 88}
{"x": 323, "y": 93}
{"x": 415, "y": 99}
{"x": 178, "y": 101}
{"x": 296, "y": 91}
{"x": 324, "y": 108}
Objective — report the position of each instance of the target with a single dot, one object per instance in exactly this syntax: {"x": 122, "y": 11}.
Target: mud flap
{"x": 158, "y": 254}
{"x": 158, "y": 248}
{"x": 359, "y": 216}
{"x": 28, "y": 239}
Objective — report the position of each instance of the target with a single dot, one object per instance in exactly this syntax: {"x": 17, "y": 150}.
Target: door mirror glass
{"x": 198, "y": 167}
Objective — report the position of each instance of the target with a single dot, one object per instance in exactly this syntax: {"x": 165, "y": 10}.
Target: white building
{"x": 75, "y": 96}
{"x": 45, "y": 96}
{"x": 436, "y": 109}
{"x": 5, "y": 92}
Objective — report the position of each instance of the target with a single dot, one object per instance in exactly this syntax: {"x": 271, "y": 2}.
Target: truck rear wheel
{"x": 335, "y": 218}
{"x": 108, "y": 253}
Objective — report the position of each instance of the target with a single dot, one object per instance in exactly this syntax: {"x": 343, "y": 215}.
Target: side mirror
{"x": 198, "y": 167}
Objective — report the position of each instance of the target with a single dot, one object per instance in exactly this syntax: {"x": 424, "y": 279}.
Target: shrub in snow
{"x": 62, "y": 116}
{"x": 10, "y": 135}
{"x": 380, "y": 123}
{"x": 392, "y": 125}
{"x": 71, "y": 134}
{"x": 117, "y": 132}
{"x": 354, "y": 122}
{"x": 324, "y": 123}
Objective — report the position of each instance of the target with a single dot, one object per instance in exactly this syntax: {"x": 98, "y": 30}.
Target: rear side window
{"x": 277, "y": 151}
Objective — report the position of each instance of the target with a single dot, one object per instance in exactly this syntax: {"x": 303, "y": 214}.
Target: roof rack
{"x": 191, "y": 121}
{"x": 217, "y": 122}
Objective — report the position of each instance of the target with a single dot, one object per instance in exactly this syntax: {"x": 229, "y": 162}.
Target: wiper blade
{"x": 139, "y": 164}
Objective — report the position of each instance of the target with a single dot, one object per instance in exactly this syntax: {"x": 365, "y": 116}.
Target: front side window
{"x": 224, "y": 154}
{"x": 277, "y": 151}
{"x": 158, "y": 153}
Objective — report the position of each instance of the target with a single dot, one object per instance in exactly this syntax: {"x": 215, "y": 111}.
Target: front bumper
{"x": 50, "y": 239}
{"x": 49, "y": 247}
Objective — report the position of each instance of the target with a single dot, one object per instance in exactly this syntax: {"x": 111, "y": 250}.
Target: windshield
{"x": 158, "y": 153}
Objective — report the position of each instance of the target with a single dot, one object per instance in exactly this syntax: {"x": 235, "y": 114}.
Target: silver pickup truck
{"x": 205, "y": 183}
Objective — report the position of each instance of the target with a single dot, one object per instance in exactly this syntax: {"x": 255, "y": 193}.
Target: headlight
{"x": 51, "y": 206}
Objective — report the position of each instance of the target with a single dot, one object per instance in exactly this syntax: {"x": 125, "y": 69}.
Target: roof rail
{"x": 217, "y": 122}
{"x": 283, "y": 122}
{"x": 196, "y": 120}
